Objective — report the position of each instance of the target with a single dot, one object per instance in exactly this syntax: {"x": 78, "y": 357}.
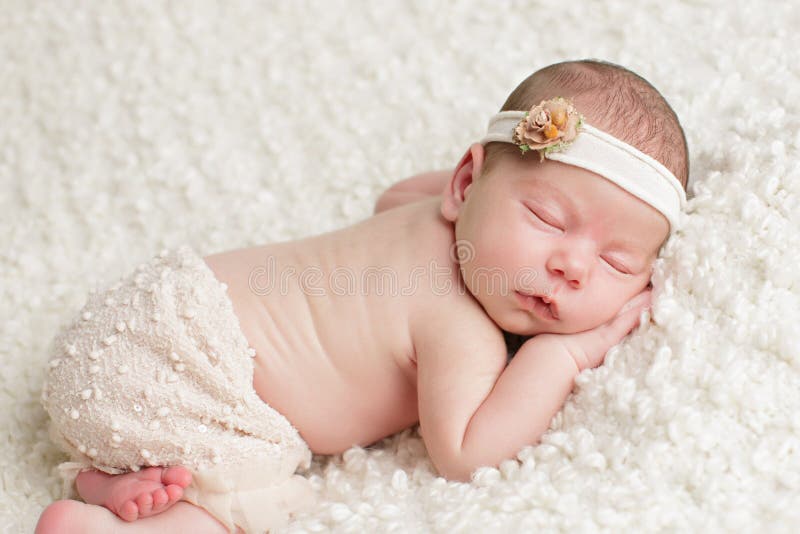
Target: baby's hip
{"x": 157, "y": 358}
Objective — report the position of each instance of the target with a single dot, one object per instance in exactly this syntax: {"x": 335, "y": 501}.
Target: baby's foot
{"x": 135, "y": 495}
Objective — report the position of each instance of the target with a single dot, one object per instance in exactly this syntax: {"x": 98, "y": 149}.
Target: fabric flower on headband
{"x": 549, "y": 126}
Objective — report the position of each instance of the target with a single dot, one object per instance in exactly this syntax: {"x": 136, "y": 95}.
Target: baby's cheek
{"x": 598, "y": 311}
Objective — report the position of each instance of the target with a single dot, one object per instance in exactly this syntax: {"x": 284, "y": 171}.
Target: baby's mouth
{"x": 553, "y": 307}
{"x": 541, "y": 302}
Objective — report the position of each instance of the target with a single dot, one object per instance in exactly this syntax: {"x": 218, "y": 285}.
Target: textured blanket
{"x": 126, "y": 127}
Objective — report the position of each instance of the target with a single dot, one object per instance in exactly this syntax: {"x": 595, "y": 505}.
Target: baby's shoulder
{"x": 460, "y": 319}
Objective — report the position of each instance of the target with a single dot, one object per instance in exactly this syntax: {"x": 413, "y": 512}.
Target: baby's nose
{"x": 573, "y": 269}
{"x": 571, "y": 260}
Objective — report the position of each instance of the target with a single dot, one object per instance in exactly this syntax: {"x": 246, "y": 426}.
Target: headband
{"x": 552, "y": 128}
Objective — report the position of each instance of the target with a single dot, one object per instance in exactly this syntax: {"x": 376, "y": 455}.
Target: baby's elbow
{"x": 452, "y": 474}
{"x": 457, "y": 461}
{"x": 454, "y": 471}
{"x": 462, "y": 468}
{"x": 461, "y": 476}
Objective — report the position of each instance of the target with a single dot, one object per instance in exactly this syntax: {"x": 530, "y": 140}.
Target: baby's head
{"x": 584, "y": 239}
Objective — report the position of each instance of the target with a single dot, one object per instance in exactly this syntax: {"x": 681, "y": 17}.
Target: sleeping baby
{"x": 191, "y": 394}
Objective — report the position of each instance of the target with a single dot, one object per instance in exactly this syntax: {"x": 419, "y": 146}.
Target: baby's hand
{"x": 589, "y": 348}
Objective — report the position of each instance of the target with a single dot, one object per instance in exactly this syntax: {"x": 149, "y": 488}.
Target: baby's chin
{"x": 524, "y": 327}
{"x": 521, "y": 322}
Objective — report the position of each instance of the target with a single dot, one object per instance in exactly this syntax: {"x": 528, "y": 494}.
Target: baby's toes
{"x": 174, "y": 492}
{"x": 160, "y": 498}
{"x": 176, "y": 475}
{"x": 145, "y": 503}
{"x": 128, "y": 511}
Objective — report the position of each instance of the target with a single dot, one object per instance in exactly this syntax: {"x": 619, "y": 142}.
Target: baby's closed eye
{"x": 543, "y": 217}
{"x": 617, "y": 265}
{"x": 546, "y": 218}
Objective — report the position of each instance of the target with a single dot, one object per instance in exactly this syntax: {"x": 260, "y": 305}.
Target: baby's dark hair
{"x": 611, "y": 98}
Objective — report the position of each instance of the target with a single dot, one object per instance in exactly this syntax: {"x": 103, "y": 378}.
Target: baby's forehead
{"x": 576, "y": 184}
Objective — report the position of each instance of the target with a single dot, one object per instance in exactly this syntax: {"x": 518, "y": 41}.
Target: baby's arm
{"x": 413, "y": 189}
{"x": 460, "y": 355}
{"x": 534, "y": 386}
{"x": 473, "y": 412}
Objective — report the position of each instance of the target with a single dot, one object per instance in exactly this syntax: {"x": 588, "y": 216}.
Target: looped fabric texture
{"x": 156, "y": 371}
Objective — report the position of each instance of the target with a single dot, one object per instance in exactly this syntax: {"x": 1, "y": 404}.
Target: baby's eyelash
{"x": 545, "y": 219}
{"x": 618, "y": 267}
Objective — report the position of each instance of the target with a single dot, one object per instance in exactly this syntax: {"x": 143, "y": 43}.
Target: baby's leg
{"x": 412, "y": 189}
{"x": 67, "y": 516}
{"x": 134, "y": 495}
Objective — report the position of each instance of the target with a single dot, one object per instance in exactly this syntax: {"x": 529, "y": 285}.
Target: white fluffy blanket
{"x": 127, "y": 126}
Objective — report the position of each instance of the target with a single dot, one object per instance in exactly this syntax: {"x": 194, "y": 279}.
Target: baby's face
{"x": 553, "y": 229}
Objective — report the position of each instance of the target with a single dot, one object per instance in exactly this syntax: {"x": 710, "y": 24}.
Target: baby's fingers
{"x": 626, "y": 321}
{"x": 629, "y": 316}
{"x": 620, "y": 326}
{"x": 598, "y": 341}
{"x": 641, "y": 301}
{"x": 591, "y": 346}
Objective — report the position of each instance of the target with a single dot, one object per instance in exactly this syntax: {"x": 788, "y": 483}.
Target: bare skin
{"x": 114, "y": 501}
{"x": 359, "y": 345}
{"x": 136, "y": 495}
{"x": 69, "y": 516}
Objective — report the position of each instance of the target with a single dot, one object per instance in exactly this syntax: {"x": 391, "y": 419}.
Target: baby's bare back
{"x": 329, "y": 319}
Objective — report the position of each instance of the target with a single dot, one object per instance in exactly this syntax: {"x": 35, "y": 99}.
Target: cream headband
{"x": 552, "y": 129}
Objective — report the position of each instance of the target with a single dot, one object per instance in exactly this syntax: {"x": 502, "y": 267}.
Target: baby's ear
{"x": 457, "y": 190}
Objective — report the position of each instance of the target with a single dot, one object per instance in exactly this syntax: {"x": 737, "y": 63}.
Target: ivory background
{"x": 126, "y": 127}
